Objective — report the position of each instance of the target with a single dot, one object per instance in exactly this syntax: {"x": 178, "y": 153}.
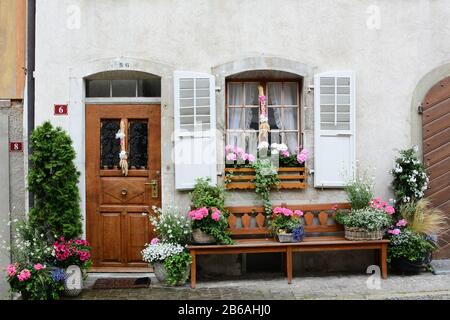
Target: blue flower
{"x": 298, "y": 233}
{"x": 58, "y": 274}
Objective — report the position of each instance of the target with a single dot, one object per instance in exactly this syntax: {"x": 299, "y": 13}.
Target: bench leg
{"x": 289, "y": 264}
{"x": 193, "y": 269}
{"x": 383, "y": 261}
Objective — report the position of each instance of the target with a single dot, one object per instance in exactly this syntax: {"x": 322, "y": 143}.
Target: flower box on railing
{"x": 242, "y": 178}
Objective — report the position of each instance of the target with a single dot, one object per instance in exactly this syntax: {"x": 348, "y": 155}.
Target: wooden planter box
{"x": 290, "y": 178}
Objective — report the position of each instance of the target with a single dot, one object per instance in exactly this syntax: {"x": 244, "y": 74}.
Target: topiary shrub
{"x": 53, "y": 180}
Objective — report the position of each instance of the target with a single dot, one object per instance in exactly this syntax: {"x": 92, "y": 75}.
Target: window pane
{"x": 291, "y": 140}
{"x": 290, "y": 93}
{"x": 274, "y": 93}
{"x": 331, "y": 126}
{"x": 343, "y": 99}
{"x": 290, "y": 118}
{"x": 251, "y": 94}
{"x": 343, "y": 81}
{"x": 138, "y": 144}
{"x": 149, "y": 88}
{"x": 275, "y": 137}
{"x": 98, "y": 89}
{"x": 252, "y": 118}
{"x": 327, "y": 81}
{"x": 109, "y": 145}
{"x": 327, "y": 90}
{"x": 124, "y": 88}
{"x": 325, "y": 99}
{"x": 275, "y": 118}
{"x": 235, "y": 94}
{"x": 236, "y": 118}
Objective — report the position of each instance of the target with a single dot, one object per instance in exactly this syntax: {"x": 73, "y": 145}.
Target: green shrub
{"x": 53, "y": 180}
{"x": 176, "y": 267}
{"x": 207, "y": 195}
{"x": 410, "y": 178}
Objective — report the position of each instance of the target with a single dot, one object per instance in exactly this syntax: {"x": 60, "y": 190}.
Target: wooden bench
{"x": 247, "y": 228}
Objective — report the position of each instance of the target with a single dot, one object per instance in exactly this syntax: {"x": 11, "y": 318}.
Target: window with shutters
{"x": 283, "y": 101}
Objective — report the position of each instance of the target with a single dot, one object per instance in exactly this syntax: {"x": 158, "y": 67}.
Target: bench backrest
{"x": 251, "y": 221}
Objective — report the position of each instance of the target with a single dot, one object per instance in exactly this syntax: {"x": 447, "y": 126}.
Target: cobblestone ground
{"x": 256, "y": 287}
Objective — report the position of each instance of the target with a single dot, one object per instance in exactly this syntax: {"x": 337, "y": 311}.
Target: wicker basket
{"x": 356, "y": 234}
{"x": 202, "y": 238}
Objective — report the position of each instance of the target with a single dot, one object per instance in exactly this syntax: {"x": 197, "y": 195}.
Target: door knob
{"x": 124, "y": 192}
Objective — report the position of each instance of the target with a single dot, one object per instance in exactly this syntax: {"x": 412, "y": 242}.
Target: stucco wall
{"x": 12, "y": 184}
{"x": 390, "y": 53}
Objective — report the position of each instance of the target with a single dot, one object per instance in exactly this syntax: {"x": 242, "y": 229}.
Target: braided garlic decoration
{"x": 123, "y": 152}
{"x": 264, "y": 127}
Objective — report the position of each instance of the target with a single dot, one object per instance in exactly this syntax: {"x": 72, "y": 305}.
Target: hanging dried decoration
{"x": 123, "y": 155}
{"x": 264, "y": 127}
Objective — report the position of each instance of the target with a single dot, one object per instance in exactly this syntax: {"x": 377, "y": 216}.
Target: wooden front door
{"x": 436, "y": 153}
{"x": 117, "y": 205}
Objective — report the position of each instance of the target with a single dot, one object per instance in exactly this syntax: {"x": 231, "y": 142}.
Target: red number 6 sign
{"x": 61, "y": 109}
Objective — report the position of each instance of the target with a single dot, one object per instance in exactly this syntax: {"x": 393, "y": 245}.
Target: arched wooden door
{"x": 436, "y": 153}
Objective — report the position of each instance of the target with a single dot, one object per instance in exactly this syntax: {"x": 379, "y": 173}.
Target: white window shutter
{"x": 195, "y": 128}
{"x": 334, "y": 133}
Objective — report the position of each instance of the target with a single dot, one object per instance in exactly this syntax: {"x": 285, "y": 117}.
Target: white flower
{"x": 120, "y": 135}
{"x": 263, "y": 145}
{"x": 274, "y": 151}
{"x": 123, "y": 155}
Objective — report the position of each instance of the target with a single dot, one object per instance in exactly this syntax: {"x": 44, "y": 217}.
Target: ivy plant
{"x": 266, "y": 178}
{"x": 410, "y": 245}
{"x": 53, "y": 180}
{"x": 176, "y": 268}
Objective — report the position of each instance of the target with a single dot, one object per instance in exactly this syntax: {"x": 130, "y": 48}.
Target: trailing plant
{"x": 368, "y": 219}
{"x": 158, "y": 251}
{"x": 171, "y": 225}
{"x": 53, "y": 180}
{"x": 422, "y": 218}
{"x": 410, "y": 179}
{"x": 176, "y": 266}
{"x": 360, "y": 190}
{"x": 410, "y": 245}
{"x": 266, "y": 178}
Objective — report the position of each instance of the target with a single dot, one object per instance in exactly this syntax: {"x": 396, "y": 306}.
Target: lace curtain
{"x": 245, "y": 119}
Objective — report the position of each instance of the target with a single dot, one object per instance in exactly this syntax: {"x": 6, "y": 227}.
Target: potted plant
{"x": 411, "y": 246}
{"x": 209, "y": 219}
{"x": 368, "y": 223}
{"x": 170, "y": 261}
{"x": 32, "y": 274}
{"x": 74, "y": 257}
{"x": 287, "y": 225}
{"x": 172, "y": 225}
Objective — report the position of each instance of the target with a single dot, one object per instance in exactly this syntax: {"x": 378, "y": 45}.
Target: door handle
{"x": 155, "y": 188}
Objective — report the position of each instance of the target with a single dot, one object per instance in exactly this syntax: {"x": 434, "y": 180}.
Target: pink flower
{"x": 85, "y": 256}
{"x": 244, "y": 156}
{"x": 229, "y": 148}
{"x": 251, "y": 158}
{"x": 192, "y": 213}
{"x": 298, "y": 213}
{"x": 203, "y": 211}
{"x": 11, "y": 270}
{"x": 216, "y": 215}
{"x": 239, "y": 151}
{"x": 335, "y": 207}
{"x": 38, "y": 267}
{"x": 390, "y": 210}
{"x": 395, "y": 232}
{"x": 231, "y": 157}
{"x": 402, "y": 223}
{"x": 285, "y": 153}
{"x": 24, "y": 275}
{"x": 198, "y": 216}
{"x": 283, "y": 211}
{"x": 262, "y": 99}
{"x": 302, "y": 156}
{"x": 154, "y": 241}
